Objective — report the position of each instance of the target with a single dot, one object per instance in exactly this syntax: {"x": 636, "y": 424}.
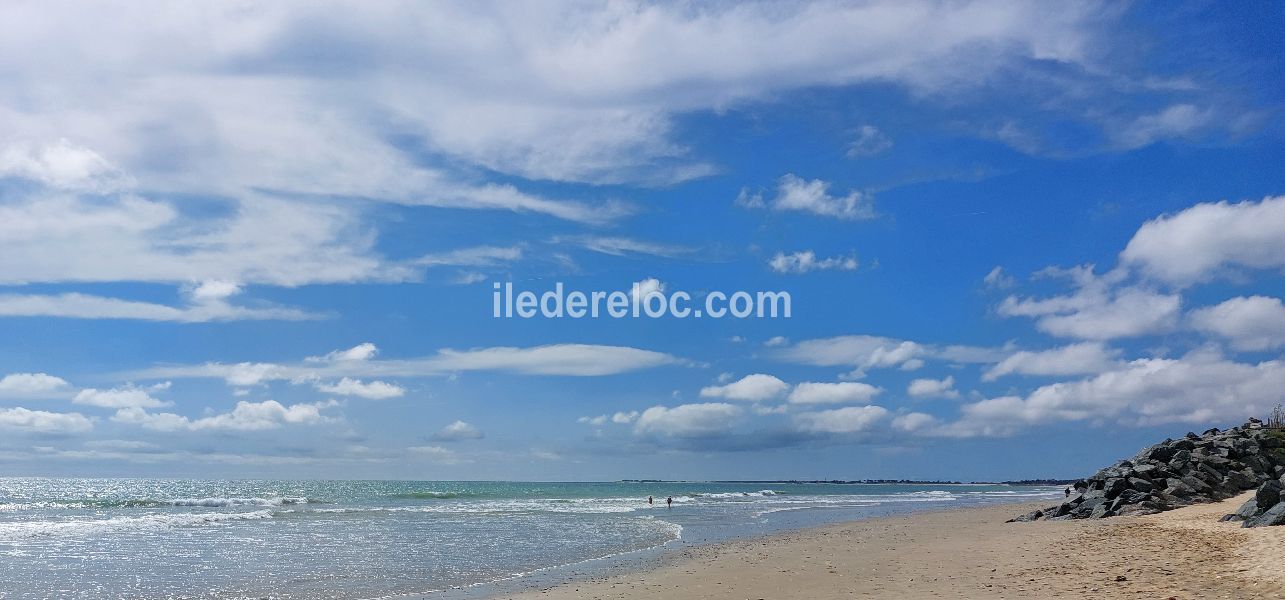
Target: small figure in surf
{"x": 649, "y": 502}
{"x": 669, "y": 502}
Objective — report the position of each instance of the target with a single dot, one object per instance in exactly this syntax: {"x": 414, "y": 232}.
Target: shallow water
{"x": 142, "y": 538}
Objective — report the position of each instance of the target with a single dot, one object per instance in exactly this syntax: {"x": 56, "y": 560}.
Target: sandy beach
{"x": 973, "y": 553}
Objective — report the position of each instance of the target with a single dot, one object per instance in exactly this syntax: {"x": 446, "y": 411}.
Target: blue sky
{"x": 260, "y": 240}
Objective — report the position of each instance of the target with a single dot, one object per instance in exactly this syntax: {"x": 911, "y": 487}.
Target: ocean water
{"x": 152, "y": 539}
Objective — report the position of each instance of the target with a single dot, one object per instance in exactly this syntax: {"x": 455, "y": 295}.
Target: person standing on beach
{"x": 669, "y": 502}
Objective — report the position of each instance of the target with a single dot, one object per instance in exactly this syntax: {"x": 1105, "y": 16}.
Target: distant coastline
{"x": 861, "y": 481}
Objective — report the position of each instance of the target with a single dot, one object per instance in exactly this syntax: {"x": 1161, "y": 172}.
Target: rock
{"x": 1272, "y": 517}
{"x": 1030, "y": 516}
{"x": 1114, "y": 486}
{"x": 1269, "y": 494}
{"x": 1214, "y": 465}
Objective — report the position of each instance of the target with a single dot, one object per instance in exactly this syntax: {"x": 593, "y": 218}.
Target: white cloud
{"x": 214, "y": 289}
{"x": 625, "y": 417}
{"x": 833, "y": 393}
{"x": 640, "y": 291}
{"x": 873, "y": 352}
{"x": 581, "y": 360}
{"x": 852, "y": 419}
{"x": 584, "y": 360}
{"x": 457, "y": 431}
{"x": 754, "y": 388}
{"x": 480, "y": 256}
{"x": 266, "y": 240}
{"x": 933, "y": 388}
{"x": 1208, "y": 240}
{"x": 869, "y": 142}
{"x": 998, "y": 279}
{"x": 794, "y": 193}
{"x": 362, "y": 351}
{"x": 1073, "y": 359}
{"x": 1179, "y": 120}
{"x": 123, "y": 397}
{"x": 31, "y": 384}
{"x": 805, "y": 261}
{"x": 374, "y": 390}
{"x": 598, "y": 420}
{"x": 61, "y": 165}
{"x": 1200, "y": 388}
{"x": 83, "y": 306}
{"x": 40, "y": 421}
{"x": 245, "y": 416}
{"x": 622, "y": 246}
{"x": 912, "y": 422}
{"x": 1100, "y": 308}
{"x": 1249, "y": 323}
{"x": 775, "y": 341}
{"x": 688, "y": 420}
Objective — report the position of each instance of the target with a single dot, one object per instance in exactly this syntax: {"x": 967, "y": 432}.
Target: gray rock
{"x": 1272, "y": 517}
{"x": 1269, "y": 494}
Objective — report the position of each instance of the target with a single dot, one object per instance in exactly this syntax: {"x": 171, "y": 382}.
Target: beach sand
{"x": 972, "y": 553}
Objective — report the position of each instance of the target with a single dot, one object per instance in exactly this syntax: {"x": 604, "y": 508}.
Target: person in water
{"x": 649, "y": 502}
{"x": 669, "y": 502}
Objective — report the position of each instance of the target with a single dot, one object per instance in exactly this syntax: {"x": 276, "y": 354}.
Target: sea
{"x": 317, "y": 540}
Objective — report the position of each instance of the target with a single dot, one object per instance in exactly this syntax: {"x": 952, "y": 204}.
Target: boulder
{"x": 1269, "y": 494}
{"x": 1214, "y": 465}
{"x": 1271, "y": 517}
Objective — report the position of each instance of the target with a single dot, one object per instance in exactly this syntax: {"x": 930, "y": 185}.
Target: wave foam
{"x": 33, "y": 529}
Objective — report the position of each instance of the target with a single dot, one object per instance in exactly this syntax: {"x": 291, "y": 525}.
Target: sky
{"x": 260, "y": 239}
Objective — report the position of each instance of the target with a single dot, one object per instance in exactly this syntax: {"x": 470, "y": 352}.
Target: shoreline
{"x": 964, "y": 552}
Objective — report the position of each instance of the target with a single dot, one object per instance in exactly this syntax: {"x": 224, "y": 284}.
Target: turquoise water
{"x": 142, "y": 538}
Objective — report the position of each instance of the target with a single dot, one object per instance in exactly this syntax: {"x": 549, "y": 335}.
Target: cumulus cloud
{"x": 758, "y": 387}
{"x": 852, "y": 419}
{"x": 246, "y": 416}
{"x": 848, "y": 392}
{"x": 31, "y": 384}
{"x": 122, "y": 397}
{"x": 874, "y": 352}
{"x": 1248, "y": 323}
{"x": 913, "y": 422}
{"x": 457, "y": 431}
{"x": 688, "y": 420}
{"x": 61, "y": 165}
{"x": 1100, "y": 307}
{"x": 1208, "y": 240}
{"x": 1202, "y": 387}
{"x": 640, "y": 291}
{"x": 794, "y": 193}
{"x": 39, "y": 421}
{"x": 374, "y": 390}
{"x": 1073, "y": 359}
{"x": 933, "y": 388}
{"x": 806, "y": 261}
